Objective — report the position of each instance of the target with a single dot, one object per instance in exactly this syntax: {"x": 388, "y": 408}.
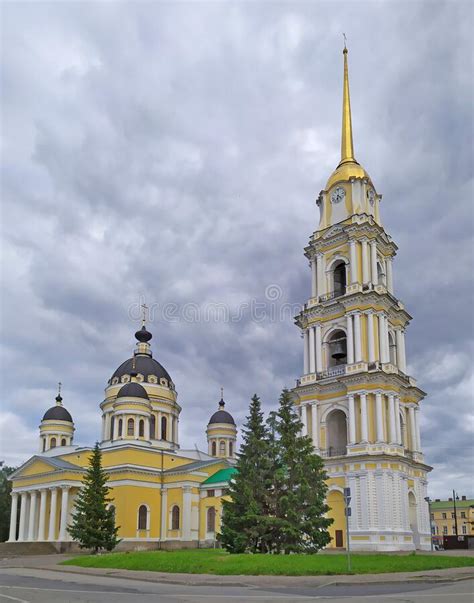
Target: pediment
{"x": 332, "y": 232}
{"x": 37, "y": 465}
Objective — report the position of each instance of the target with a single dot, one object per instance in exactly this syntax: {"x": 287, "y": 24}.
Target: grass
{"x": 210, "y": 561}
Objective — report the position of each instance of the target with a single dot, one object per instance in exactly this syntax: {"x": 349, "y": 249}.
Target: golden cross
{"x": 222, "y": 393}
{"x": 144, "y": 308}
{"x": 345, "y": 39}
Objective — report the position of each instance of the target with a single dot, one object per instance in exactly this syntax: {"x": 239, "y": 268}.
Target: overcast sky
{"x": 172, "y": 153}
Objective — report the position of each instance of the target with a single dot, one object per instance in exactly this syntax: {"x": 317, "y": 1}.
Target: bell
{"x": 339, "y": 352}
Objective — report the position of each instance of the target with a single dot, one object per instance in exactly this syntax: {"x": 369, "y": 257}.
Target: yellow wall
{"x": 335, "y": 500}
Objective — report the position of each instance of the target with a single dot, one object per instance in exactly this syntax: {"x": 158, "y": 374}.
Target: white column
{"x": 304, "y": 419}
{"x": 42, "y": 515}
{"x": 164, "y": 513}
{"x": 392, "y": 424}
{"x": 382, "y": 338}
{"x": 176, "y": 421}
{"x": 365, "y": 263}
{"x": 32, "y": 519}
{"x": 147, "y": 429}
{"x": 136, "y": 423}
{"x": 187, "y": 498}
{"x": 315, "y": 425}
{"x": 350, "y": 340}
{"x": 357, "y": 338}
{"x": 52, "y": 514}
{"x": 379, "y": 417}
{"x": 352, "y": 425}
{"x": 388, "y": 264}
{"x": 13, "y": 517}
{"x": 305, "y": 352}
{"x": 314, "y": 278}
{"x": 64, "y": 513}
{"x": 370, "y": 337}
{"x": 373, "y": 261}
{"x": 23, "y": 506}
{"x": 311, "y": 350}
{"x": 403, "y": 366}
{"x": 319, "y": 349}
{"x": 411, "y": 415}
{"x": 321, "y": 269}
{"x": 417, "y": 429}
{"x": 106, "y": 435}
{"x": 386, "y": 339}
{"x": 353, "y": 261}
{"x": 397, "y": 420}
{"x": 363, "y": 418}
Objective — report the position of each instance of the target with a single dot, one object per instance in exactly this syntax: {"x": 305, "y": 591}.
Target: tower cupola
{"x": 57, "y": 426}
{"x": 221, "y": 432}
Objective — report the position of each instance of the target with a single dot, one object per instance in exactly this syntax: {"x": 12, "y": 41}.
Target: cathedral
{"x": 356, "y": 401}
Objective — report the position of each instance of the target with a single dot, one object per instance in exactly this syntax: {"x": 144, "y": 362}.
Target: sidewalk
{"x": 50, "y": 563}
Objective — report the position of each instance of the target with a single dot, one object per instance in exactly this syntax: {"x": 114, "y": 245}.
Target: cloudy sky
{"x": 172, "y": 152}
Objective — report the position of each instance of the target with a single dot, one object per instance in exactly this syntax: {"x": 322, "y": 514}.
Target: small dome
{"x": 57, "y": 413}
{"x": 143, "y": 336}
{"x": 132, "y": 390}
{"x": 221, "y": 415}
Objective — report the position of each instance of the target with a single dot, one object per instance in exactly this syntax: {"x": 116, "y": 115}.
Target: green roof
{"x": 449, "y": 504}
{"x": 223, "y": 475}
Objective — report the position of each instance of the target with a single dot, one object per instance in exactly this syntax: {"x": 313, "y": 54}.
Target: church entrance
{"x": 413, "y": 519}
{"x": 337, "y": 529}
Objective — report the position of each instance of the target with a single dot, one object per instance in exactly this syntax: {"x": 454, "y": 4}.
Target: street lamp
{"x": 428, "y": 500}
{"x": 455, "y": 497}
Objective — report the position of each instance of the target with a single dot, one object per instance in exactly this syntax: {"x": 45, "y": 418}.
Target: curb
{"x": 429, "y": 576}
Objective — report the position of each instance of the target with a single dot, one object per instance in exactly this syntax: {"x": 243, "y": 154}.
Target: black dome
{"x": 132, "y": 390}
{"x": 143, "y": 336}
{"x": 221, "y": 415}
{"x": 144, "y": 365}
{"x": 57, "y": 413}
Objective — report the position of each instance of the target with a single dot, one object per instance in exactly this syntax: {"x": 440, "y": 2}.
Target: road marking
{"x": 13, "y": 598}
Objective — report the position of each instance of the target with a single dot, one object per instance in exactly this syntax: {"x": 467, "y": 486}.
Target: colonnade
{"x": 170, "y": 433}
{"x": 387, "y": 420}
{"x": 222, "y": 446}
{"x": 34, "y": 525}
{"x": 369, "y": 256}
{"x": 374, "y": 322}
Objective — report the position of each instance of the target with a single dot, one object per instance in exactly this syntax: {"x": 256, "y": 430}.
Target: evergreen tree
{"x": 244, "y": 519}
{"x": 5, "y": 500}
{"x": 299, "y": 487}
{"x": 93, "y": 524}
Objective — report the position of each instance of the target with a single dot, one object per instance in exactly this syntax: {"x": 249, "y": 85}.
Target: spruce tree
{"x": 244, "y": 519}
{"x": 299, "y": 489}
{"x": 93, "y": 524}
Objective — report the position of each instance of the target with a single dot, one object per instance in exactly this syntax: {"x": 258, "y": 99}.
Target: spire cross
{"x": 144, "y": 308}
{"x": 59, "y": 388}
{"x": 222, "y": 393}
{"x": 345, "y": 40}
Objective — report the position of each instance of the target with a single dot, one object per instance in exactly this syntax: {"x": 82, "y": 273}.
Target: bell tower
{"x": 357, "y": 401}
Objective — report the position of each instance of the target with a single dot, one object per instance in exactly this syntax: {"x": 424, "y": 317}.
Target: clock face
{"x": 371, "y": 196}
{"x": 338, "y": 195}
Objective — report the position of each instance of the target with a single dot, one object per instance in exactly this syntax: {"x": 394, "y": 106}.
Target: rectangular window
{"x": 432, "y": 515}
{"x": 445, "y": 530}
{"x": 211, "y": 492}
{"x": 463, "y": 514}
{"x": 452, "y": 516}
{"x": 444, "y": 515}
{"x": 454, "y": 531}
{"x": 464, "y": 530}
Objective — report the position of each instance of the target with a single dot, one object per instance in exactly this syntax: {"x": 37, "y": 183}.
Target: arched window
{"x": 339, "y": 276}
{"x": 141, "y": 428}
{"x": 153, "y": 427}
{"x": 44, "y": 444}
{"x": 336, "y": 433}
{"x": 142, "y": 517}
{"x": 211, "y": 519}
{"x": 130, "y": 427}
{"x": 120, "y": 428}
{"x": 222, "y": 448}
{"x": 337, "y": 348}
{"x": 214, "y": 449}
{"x": 175, "y": 518}
{"x": 112, "y": 427}
{"x": 231, "y": 449}
{"x": 53, "y": 442}
{"x": 164, "y": 428}
{"x": 63, "y": 442}
{"x": 392, "y": 346}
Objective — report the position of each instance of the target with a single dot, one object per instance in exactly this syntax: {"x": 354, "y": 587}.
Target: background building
{"x": 452, "y": 518}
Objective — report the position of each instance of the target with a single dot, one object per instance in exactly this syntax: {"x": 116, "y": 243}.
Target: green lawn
{"x": 210, "y": 561}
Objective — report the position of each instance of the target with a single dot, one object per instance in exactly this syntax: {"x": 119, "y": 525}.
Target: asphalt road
{"x": 23, "y": 585}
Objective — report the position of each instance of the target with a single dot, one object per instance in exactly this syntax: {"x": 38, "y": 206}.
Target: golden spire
{"x": 347, "y": 145}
